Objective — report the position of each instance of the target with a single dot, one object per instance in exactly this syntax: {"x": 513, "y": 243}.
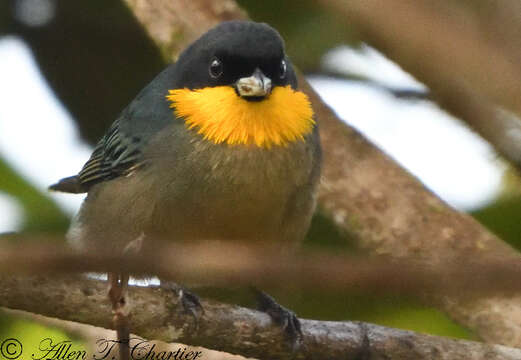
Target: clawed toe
{"x": 283, "y": 317}
{"x": 189, "y": 301}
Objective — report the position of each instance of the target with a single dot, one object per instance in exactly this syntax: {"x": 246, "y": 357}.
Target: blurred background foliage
{"x": 96, "y": 57}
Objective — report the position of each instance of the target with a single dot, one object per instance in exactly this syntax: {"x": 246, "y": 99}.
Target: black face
{"x": 231, "y": 51}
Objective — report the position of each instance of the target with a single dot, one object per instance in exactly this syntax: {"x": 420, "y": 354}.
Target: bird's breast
{"x": 233, "y": 192}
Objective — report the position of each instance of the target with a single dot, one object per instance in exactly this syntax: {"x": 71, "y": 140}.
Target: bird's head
{"x": 236, "y": 85}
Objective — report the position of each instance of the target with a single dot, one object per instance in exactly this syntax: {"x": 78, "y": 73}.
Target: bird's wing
{"x": 116, "y": 154}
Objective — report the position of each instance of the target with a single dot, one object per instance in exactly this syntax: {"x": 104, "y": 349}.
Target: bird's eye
{"x": 283, "y": 68}
{"x": 216, "y": 68}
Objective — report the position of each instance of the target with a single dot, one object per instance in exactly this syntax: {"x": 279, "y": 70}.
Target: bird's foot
{"x": 281, "y": 316}
{"x": 189, "y": 301}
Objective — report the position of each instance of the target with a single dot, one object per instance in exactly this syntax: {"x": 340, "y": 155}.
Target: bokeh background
{"x": 68, "y": 68}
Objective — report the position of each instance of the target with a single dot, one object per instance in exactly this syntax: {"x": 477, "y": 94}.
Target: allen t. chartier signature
{"x": 106, "y": 350}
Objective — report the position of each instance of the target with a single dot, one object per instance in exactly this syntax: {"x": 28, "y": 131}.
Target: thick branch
{"x": 158, "y": 315}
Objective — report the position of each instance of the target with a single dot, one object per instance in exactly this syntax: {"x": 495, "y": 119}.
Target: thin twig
{"x": 236, "y": 264}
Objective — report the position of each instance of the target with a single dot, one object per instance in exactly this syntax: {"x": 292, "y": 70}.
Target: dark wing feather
{"x": 115, "y": 155}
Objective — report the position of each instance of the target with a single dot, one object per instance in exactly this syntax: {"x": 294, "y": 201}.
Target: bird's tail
{"x": 69, "y": 184}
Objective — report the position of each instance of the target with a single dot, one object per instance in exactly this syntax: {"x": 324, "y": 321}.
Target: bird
{"x": 222, "y": 144}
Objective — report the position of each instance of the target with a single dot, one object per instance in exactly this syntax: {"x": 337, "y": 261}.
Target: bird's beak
{"x": 257, "y": 85}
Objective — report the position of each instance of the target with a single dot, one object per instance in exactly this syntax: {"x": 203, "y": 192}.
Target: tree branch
{"x": 158, "y": 315}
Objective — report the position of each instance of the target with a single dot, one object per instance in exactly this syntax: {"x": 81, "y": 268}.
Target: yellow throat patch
{"x": 221, "y": 116}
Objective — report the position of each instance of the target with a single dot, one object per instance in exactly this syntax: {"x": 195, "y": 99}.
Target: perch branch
{"x": 231, "y": 328}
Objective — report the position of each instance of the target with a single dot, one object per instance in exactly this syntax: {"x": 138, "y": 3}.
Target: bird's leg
{"x": 118, "y": 284}
{"x": 281, "y": 316}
